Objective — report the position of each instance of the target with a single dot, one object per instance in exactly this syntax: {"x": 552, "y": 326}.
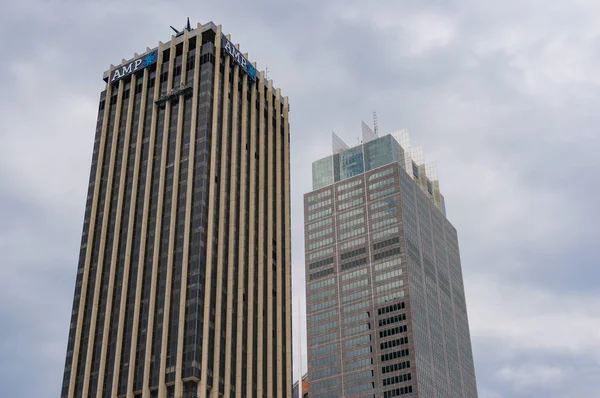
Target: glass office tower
{"x": 183, "y": 283}
{"x": 386, "y": 311}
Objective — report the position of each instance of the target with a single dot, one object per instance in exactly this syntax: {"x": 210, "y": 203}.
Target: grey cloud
{"x": 515, "y": 142}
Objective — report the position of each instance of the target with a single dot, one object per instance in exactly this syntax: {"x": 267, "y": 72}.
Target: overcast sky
{"x": 503, "y": 95}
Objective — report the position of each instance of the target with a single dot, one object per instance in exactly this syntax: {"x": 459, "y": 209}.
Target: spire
{"x": 338, "y": 145}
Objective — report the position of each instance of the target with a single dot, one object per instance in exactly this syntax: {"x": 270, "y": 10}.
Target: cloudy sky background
{"x": 502, "y": 95}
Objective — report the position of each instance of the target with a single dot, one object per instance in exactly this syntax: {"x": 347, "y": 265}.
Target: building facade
{"x": 386, "y": 311}
{"x": 300, "y": 389}
{"x": 183, "y": 284}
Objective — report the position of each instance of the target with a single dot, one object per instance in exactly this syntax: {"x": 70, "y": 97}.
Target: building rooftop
{"x": 375, "y": 151}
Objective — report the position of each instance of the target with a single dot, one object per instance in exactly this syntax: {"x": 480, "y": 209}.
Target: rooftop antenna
{"x": 375, "y": 125}
{"x": 187, "y": 27}
{"x": 266, "y": 73}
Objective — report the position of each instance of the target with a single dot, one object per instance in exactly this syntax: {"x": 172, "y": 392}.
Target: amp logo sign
{"x": 133, "y": 66}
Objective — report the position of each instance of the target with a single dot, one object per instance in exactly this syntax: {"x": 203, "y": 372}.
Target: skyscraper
{"x": 183, "y": 283}
{"x": 385, "y": 299}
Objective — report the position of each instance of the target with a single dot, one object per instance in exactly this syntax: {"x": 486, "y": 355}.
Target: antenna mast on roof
{"x": 187, "y": 27}
{"x": 375, "y": 125}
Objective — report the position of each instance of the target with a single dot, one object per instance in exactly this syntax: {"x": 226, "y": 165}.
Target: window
{"x": 392, "y": 319}
{"x": 352, "y": 243}
{"x": 320, "y": 284}
{"x": 358, "y": 352}
{"x": 388, "y": 275}
{"x": 390, "y": 308}
{"x": 393, "y": 331}
{"x": 397, "y": 392}
{"x": 321, "y": 274}
{"x": 357, "y": 329}
{"x": 395, "y": 367}
{"x": 395, "y": 354}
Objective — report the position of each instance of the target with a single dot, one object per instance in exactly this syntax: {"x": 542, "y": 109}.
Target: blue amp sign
{"x": 133, "y": 66}
{"x": 238, "y": 57}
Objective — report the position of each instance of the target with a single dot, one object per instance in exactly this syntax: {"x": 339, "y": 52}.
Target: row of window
{"x": 321, "y": 253}
{"x": 351, "y": 203}
{"x": 356, "y": 306}
{"x": 322, "y": 306}
{"x": 320, "y": 284}
{"x": 351, "y": 213}
{"x": 325, "y": 349}
{"x": 380, "y": 194}
{"x": 392, "y": 319}
{"x": 358, "y": 352}
{"x": 365, "y": 374}
{"x": 387, "y": 264}
{"x": 351, "y": 223}
{"x": 387, "y": 253}
{"x": 347, "y": 185}
{"x": 397, "y": 392}
{"x": 319, "y": 204}
{"x": 387, "y": 242}
{"x": 348, "y": 367}
{"x": 358, "y": 317}
{"x": 381, "y": 174}
{"x": 355, "y": 274}
{"x": 320, "y": 243}
{"x": 321, "y": 295}
{"x": 350, "y": 194}
{"x": 320, "y": 274}
{"x": 393, "y": 331}
{"x": 324, "y": 384}
{"x": 352, "y": 243}
{"x": 319, "y": 374}
{"x": 393, "y": 355}
{"x": 360, "y": 388}
{"x": 384, "y": 233}
{"x": 320, "y": 263}
{"x": 323, "y": 223}
{"x": 383, "y": 223}
{"x": 393, "y": 343}
{"x": 324, "y": 361}
{"x": 354, "y": 263}
{"x": 381, "y": 183}
{"x": 384, "y": 203}
{"x": 351, "y": 233}
{"x": 389, "y": 286}
{"x": 324, "y": 326}
{"x": 319, "y": 195}
{"x": 388, "y": 275}
{"x": 323, "y": 338}
{"x": 323, "y": 315}
{"x": 354, "y": 285}
{"x": 355, "y": 296}
{"x": 389, "y": 297}
{"x": 395, "y": 367}
{"x": 391, "y": 308}
{"x": 383, "y": 213}
{"x": 353, "y": 253}
{"x": 397, "y": 379}
{"x": 357, "y": 329}
{"x": 357, "y": 340}
{"x": 319, "y": 214}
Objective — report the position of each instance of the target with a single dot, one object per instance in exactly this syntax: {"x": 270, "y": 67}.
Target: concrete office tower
{"x": 385, "y": 299}
{"x": 183, "y": 283}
